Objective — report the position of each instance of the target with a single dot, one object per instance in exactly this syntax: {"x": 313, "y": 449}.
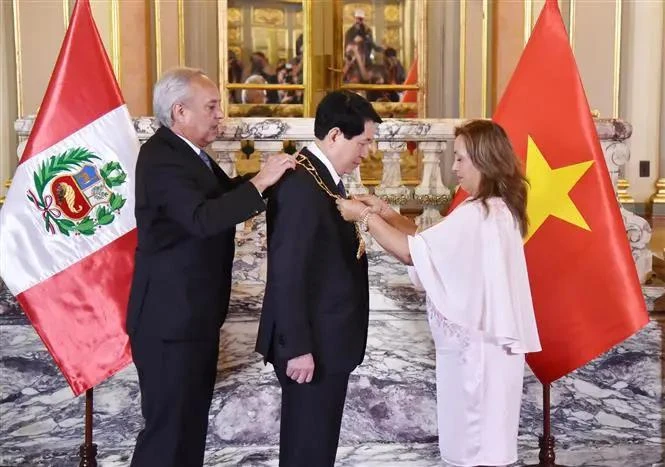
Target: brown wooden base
{"x": 546, "y": 455}
{"x": 545, "y": 465}
{"x": 88, "y": 455}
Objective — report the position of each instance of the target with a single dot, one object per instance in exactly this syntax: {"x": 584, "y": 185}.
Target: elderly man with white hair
{"x": 186, "y": 212}
{"x": 254, "y": 96}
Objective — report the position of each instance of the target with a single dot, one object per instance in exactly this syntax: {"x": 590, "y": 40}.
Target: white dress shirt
{"x": 316, "y": 150}
{"x": 196, "y": 149}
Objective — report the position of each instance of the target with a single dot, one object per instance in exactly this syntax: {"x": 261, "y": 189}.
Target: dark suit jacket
{"x": 186, "y": 217}
{"x": 317, "y": 296}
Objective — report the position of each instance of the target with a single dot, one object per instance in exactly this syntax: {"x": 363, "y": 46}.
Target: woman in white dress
{"x": 480, "y": 312}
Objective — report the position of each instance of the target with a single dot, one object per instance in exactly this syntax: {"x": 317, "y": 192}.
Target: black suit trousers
{"x": 176, "y": 379}
{"x": 311, "y": 418}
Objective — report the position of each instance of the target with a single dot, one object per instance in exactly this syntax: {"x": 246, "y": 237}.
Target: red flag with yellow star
{"x": 584, "y": 283}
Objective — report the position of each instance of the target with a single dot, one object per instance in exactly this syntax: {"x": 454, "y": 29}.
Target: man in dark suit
{"x": 315, "y": 314}
{"x": 186, "y": 212}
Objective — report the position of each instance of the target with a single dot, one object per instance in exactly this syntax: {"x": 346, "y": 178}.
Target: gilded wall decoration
{"x": 410, "y": 163}
{"x": 247, "y": 164}
{"x": 298, "y": 19}
{"x": 396, "y": 109}
{"x": 234, "y": 16}
{"x": 266, "y": 110}
{"x": 391, "y": 14}
{"x": 270, "y": 41}
{"x": 235, "y": 35}
{"x": 391, "y": 37}
{"x": 268, "y": 16}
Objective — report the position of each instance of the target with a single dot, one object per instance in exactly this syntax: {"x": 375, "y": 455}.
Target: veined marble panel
{"x": 613, "y": 403}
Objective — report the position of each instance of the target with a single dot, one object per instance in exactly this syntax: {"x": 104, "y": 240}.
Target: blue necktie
{"x": 341, "y": 190}
{"x": 206, "y": 160}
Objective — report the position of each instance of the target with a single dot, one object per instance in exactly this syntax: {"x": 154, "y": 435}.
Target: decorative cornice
{"x": 613, "y": 128}
{"x": 302, "y": 129}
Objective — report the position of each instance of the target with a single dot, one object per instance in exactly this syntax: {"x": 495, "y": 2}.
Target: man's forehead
{"x": 206, "y": 90}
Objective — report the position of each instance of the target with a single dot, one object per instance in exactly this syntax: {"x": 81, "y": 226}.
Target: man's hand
{"x": 273, "y": 170}
{"x": 301, "y": 369}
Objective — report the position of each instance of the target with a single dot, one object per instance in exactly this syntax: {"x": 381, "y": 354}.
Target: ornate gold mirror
{"x": 380, "y": 55}
{"x": 279, "y": 57}
{"x": 263, "y": 57}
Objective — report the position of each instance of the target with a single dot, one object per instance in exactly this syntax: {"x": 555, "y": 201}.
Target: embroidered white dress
{"x": 479, "y": 306}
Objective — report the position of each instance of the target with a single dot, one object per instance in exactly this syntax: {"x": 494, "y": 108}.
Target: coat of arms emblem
{"x": 74, "y": 195}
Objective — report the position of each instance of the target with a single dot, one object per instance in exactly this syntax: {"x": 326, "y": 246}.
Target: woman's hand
{"x": 377, "y": 205}
{"x": 352, "y": 210}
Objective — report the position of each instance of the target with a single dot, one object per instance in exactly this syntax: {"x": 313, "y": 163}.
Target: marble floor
{"x": 608, "y": 413}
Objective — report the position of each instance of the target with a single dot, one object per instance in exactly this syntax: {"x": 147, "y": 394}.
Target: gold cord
{"x": 305, "y": 163}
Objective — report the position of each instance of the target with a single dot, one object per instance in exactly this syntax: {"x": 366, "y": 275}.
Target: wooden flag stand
{"x": 546, "y": 455}
{"x": 88, "y": 450}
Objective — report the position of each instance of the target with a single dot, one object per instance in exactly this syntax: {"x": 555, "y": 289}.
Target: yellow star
{"x": 549, "y": 190}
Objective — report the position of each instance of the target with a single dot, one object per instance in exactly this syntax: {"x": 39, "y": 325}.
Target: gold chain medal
{"x": 307, "y": 165}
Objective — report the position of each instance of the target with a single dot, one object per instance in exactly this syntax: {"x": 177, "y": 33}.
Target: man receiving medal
{"x": 313, "y": 326}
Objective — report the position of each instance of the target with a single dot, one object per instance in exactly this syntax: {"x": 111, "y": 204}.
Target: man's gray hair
{"x": 172, "y": 88}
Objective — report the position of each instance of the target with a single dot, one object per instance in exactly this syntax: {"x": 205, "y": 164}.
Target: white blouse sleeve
{"x": 472, "y": 267}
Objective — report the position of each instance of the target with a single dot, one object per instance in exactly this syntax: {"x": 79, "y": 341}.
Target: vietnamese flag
{"x": 67, "y": 228}
{"x": 585, "y": 289}
{"x": 459, "y": 196}
{"x": 586, "y": 293}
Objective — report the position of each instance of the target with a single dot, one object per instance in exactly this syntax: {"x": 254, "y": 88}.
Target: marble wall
{"x": 608, "y": 413}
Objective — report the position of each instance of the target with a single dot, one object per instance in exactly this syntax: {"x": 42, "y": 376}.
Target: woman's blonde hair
{"x": 501, "y": 172}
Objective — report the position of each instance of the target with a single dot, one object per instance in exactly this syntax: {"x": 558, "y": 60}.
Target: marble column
{"x": 641, "y": 87}
{"x": 354, "y": 184}
{"x": 659, "y": 196}
{"x": 266, "y": 148}
{"x": 638, "y": 229}
{"x": 8, "y": 106}
{"x": 225, "y": 156}
{"x": 614, "y": 136}
{"x": 431, "y": 192}
{"x": 391, "y": 188}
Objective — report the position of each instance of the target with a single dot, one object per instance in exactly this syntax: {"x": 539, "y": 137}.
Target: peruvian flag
{"x": 67, "y": 229}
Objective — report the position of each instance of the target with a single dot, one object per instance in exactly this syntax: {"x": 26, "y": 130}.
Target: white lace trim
{"x": 450, "y": 335}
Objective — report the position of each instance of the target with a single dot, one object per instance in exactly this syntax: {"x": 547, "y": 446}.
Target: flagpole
{"x": 546, "y": 456}
{"x": 88, "y": 450}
